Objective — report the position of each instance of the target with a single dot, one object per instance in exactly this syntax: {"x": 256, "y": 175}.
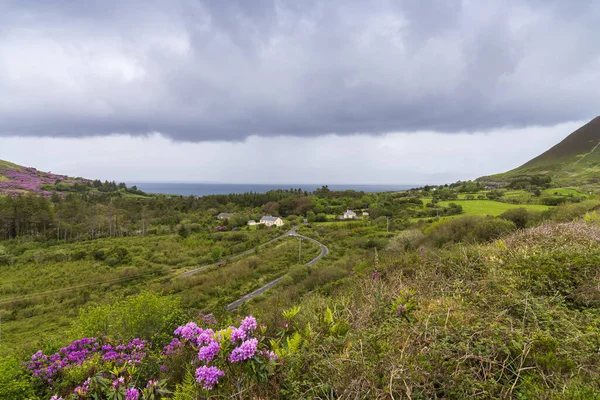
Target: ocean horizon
{"x": 204, "y": 189}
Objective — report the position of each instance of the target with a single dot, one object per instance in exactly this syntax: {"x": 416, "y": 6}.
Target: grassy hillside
{"x": 573, "y": 161}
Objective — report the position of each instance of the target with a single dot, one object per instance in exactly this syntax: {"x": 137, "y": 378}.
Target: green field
{"x": 563, "y": 192}
{"x": 490, "y": 207}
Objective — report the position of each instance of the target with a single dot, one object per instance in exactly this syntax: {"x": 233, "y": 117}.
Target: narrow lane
{"x": 259, "y": 291}
{"x": 291, "y": 232}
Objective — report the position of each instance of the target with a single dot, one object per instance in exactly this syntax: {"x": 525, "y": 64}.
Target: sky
{"x": 281, "y": 91}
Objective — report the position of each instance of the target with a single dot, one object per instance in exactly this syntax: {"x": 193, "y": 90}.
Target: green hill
{"x": 573, "y": 161}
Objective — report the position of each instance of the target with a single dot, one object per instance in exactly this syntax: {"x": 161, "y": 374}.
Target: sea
{"x": 204, "y": 189}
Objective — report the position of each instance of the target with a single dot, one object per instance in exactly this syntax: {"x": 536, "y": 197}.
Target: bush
{"x": 14, "y": 382}
{"x": 453, "y": 230}
{"x": 117, "y": 255}
{"x": 569, "y": 212}
{"x": 141, "y": 316}
{"x": 492, "y": 228}
{"x": 406, "y": 240}
{"x": 299, "y": 272}
{"x": 521, "y": 217}
{"x": 5, "y": 257}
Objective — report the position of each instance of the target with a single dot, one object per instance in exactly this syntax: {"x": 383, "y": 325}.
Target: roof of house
{"x": 226, "y": 215}
{"x": 251, "y": 221}
{"x": 268, "y": 218}
{"x": 349, "y": 212}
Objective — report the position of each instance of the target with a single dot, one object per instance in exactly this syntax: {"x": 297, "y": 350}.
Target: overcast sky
{"x": 284, "y": 91}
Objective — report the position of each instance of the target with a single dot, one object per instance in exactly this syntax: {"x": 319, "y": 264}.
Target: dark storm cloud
{"x": 206, "y": 70}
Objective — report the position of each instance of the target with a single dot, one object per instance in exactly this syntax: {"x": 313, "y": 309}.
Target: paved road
{"x": 259, "y": 291}
{"x": 291, "y": 232}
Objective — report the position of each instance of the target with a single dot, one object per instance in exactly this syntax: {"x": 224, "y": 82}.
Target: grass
{"x": 490, "y": 207}
{"x": 6, "y": 164}
{"x": 563, "y": 192}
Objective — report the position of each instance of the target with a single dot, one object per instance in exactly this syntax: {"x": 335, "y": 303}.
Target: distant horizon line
{"x": 276, "y": 184}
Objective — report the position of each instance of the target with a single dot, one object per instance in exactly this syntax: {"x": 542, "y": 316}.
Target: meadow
{"x": 490, "y": 207}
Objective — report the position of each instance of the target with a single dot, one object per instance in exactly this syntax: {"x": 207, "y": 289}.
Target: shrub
{"x": 492, "y": 228}
{"x": 5, "y": 257}
{"x": 14, "y": 382}
{"x": 142, "y": 316}
{"x": 453, "y": 230}
{"x": 521, "y": 217}
{"x": 406, "y": 240}
{"x": 569, "y": 212}
{"x": 299, "y": 272}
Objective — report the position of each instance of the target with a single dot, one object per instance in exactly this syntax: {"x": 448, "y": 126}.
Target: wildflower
{"x": 83, "y": 388}
{"x": 401, "y": 309}
{"x": 151, "y": 383}
{"x": 269, "y": 355}
{"x": 56, "y": 397}
{"x": 132, "y": 394}
{"x": 188, "y": 331}
{"x": 237, "y": 334}
{"x": 248, "y": 324}
{"x": 375, "y": 275}
{"x": 118, "y": 382}
{"x": 208, "y": 376}
{"x": 210, "y": 351}
{"x": 208, "y": 319}
{"x": 245, "y": 351}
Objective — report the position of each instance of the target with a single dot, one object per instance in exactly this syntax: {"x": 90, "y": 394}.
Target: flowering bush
{"x": 100, "y": 368}
{"x": 239, "y": 350}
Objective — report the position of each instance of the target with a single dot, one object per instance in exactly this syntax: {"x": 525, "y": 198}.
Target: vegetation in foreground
{"x": 473, "y": 306}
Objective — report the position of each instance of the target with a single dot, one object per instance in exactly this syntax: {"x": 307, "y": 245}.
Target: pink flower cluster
{"x": 210, "y": 344}
{"x": 46, "y": 367}
{"x": 30, "y": 179}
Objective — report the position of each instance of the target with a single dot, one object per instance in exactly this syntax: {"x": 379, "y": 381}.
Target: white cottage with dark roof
{"x": 270, "y": 221}
{"x": 349, "y": 214}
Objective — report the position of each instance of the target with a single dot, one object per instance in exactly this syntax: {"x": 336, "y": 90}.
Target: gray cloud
{"x": 207, "y": 70}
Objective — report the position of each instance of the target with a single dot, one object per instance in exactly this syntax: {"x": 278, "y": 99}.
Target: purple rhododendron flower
{"x": 208, "y": 376}
{"x": 132, "y": 394}
{"x": 209, "y": 352}
{"x": 245, "y": 351}
{"x": 237, "y": 334}
{"x": 248, "y": 324}
{"x": 189, "y": 331}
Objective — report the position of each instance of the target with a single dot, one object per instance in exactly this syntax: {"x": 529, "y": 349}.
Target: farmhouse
{"x": 224, "y": 215}
{"x": 365, "y": 214}
{"x": 349, "y": 214}
{"x": 251, "y": 222}
{"x": 270, "y": 221}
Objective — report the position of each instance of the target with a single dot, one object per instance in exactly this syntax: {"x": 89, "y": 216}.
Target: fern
{"x": 293, "y": 343}
{"x": 186, "y": 390}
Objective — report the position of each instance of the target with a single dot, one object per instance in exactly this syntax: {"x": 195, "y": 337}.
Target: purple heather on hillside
{"x": 31, "y": 180}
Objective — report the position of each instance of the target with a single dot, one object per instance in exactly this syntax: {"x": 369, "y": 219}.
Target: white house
{"x": 365, "y": 214}
{"x": 251, "y": 222}
{"x": 270, "y": 221}
{"x": 224, "y": 215}
{"x": 349, "y": 214}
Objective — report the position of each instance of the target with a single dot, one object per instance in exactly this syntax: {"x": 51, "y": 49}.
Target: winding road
{"x": 259, "y": 291}
{"x": 291, "y": 232}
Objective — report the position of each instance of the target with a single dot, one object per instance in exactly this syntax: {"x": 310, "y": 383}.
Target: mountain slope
{"x": 573, "y": 161}
{"x": 16, "y": 179}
